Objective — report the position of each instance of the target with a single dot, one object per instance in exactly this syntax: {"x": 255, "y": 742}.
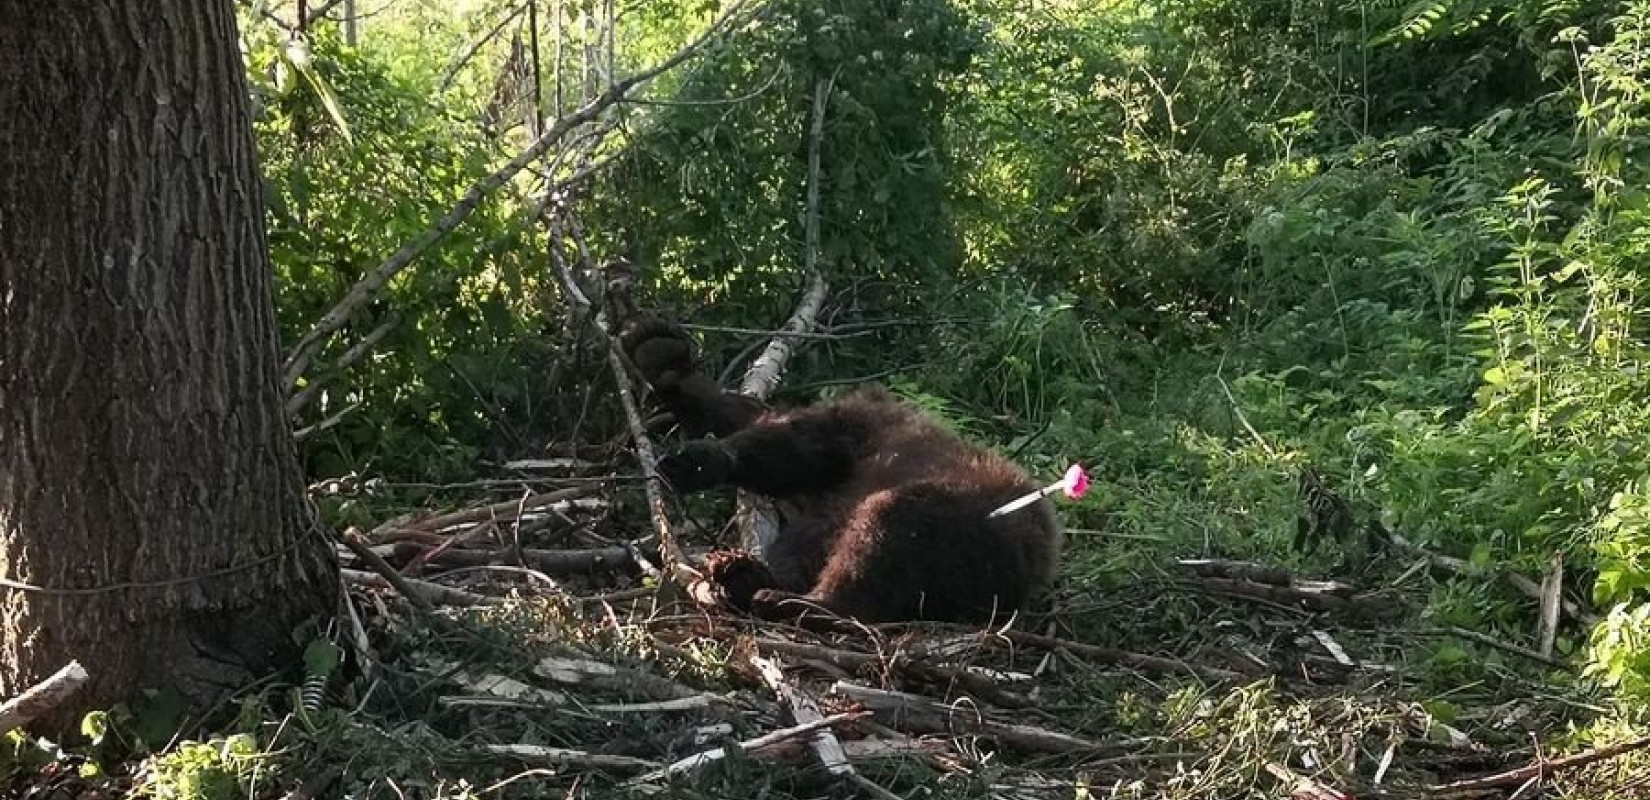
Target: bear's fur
{"x": 885, "y": 510}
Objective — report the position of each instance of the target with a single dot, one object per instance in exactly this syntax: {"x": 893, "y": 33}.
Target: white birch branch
{"x": 754, "y": 516}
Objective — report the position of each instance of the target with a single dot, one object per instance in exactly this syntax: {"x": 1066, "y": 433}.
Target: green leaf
{"x": 1482, "y": 554}
{"x": 321, "y": 657}
{"x": 329, "y": 101}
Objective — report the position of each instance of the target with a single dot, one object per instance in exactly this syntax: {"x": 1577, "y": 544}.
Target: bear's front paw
{"x": 700, "y": 465}
{"x": 740, "y": 574}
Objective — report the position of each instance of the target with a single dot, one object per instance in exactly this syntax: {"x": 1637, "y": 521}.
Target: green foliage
{"x": 1196, "y": 245}
{"x": 465, "y": 316}
{"x": 217, "y": 770}
{"x": 1427, "y": 286}
{"x": 712, "y": 193}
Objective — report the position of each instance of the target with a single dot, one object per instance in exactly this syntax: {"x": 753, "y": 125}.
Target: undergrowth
{"x": 1199, "y": 247}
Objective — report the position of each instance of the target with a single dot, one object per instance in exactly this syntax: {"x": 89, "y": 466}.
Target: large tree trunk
{"x": 152, "y": 519}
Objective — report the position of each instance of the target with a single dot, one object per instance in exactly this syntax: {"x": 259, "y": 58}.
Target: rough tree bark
{"x": 152, "y": 519}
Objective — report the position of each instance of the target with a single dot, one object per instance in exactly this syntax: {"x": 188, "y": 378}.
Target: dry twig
{"x": 1552, "y": 595}
{"x": 424, "y": 591}
{"x": 980, "y": 686}
{"x": 1524, "y": 585}
{"x": 1499, "y": 644}
{"x": 675, "y": 561}
{"x": 358, "y": 546}
{"x": 505, "y": 510}
{"x": 1541, "y": 769}
{"x": 1111, "y": 655}
{"x": 804, "y": 709}
{"x": 552, "y": 562}
{"x": 913, "y": 713}
{"x": 540, "y": 755}
{"x": 699, "y": 761}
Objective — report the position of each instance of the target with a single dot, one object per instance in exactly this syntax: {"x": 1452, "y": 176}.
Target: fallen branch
{"x": 570, "y": 671}
{"x": 1541, "y": 769}
{"x": 1552, "y": 596}
{"x": 424, "y": 591}
{"x": 764, "y": 373}
{"x": 696, "y": 702}
{"x": 374, "y": 281}
{"x": 670, "y": 550}
{"x": 754, "y": 516}
{"x": 1109, "y": 655}
{"x": 551, "y": 562}
{"x": 699, "y": 761}
{"x": 556, "y": 464}
{"x": 359, "y": 547}
{"x": 1238, "y": 570}
{"x": 492, "y": 690}
{"x": 980, "y": 686}
{"x": 1524, "y": 585}
{"x": 914, "y": 713}
{"x": 1314, "y": 599}
{"x": 1499, "y": 644}
{"x": 502, "y": 511}
{"x": 539, "y": 755}
{"x": 880, "y": 749}
{"x": 43, "y": 697}
{"x": 804, "y": 709}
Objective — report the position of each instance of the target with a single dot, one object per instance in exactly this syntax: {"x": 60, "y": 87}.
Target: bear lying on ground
{"x": 885, "y": 511}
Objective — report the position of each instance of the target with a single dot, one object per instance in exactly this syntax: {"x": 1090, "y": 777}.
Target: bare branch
{"x": 804, "y": 710}
{"x": 508, "y": 509}
{"x": 358, "y": 351}
{"x": 918, "y": 714}
{"x": 359, "y": 547}
{"x": 676, "y": 562}
{"x": 1499, "y": 644}
{"x": 469, "y": 53}
{"x": 755, "y": 517}
{"x": 426, "y": 591}
{"x": 1523, "y": 584}
{"x": 1552, "y": 597}
{"x": 1540, "y": 769}
{"x": 326, "y": 424}
{"x": 542, "y": 756}
{"x": 699, "y": 761}
{"x": 764, "y": 373}
{"x": 553, "y": 562}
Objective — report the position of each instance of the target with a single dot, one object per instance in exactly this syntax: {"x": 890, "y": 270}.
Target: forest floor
{"x": 547, "y": 660}
{"x": 512, "y": 638}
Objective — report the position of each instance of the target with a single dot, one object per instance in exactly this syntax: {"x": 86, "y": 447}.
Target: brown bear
{"x": 885, "y": 510}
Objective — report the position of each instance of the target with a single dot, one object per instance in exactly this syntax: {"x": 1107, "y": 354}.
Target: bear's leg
{"x": 805, "y": 452}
